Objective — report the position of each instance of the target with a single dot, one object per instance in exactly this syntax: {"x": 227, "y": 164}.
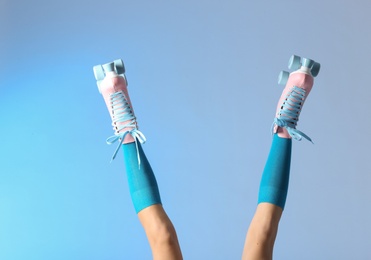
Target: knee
{"x": 159, "y": 230}
{"x": 265, "y": 222}
{"x": 163, "y": 234}
{"x": 263, "y": 232}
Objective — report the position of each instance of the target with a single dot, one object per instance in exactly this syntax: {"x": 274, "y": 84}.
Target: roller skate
{"x": 112, "y": 84}
{"x": 298, "y": 85}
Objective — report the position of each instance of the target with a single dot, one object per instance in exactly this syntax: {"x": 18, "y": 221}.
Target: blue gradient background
{"x": 202, "y": 78}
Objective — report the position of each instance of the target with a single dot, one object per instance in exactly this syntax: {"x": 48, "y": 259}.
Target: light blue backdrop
{"x": 202, "y": 78}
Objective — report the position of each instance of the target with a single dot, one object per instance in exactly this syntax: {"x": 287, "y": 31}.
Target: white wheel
{"x": 98, "y": 72}
{"x": 283, "y": 77}
{"x": 315, "y": 69}
{"x": 98, "y": 84}
{"x": 119, "y": 65}
{"x": 307, "y": 63}
{"x": 126, "y": 80}
{"x": 294, "y": 62}
{"x": 108, "y": 67}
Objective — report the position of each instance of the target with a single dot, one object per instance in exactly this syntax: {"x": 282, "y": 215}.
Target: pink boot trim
{"x": 111, "y": 84}
{"x": 300, "y": 78}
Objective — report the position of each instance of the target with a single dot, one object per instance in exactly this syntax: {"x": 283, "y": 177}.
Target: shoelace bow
{"x": 122, "y": 112}
{"x": 289, "y": 113}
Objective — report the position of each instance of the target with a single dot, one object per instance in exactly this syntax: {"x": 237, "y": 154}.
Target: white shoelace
{"x": 288, "y": 116}
{"x": 122, "y": 112}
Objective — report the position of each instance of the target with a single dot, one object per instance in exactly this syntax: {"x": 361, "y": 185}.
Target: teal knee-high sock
{"x": 275, "y": 179}
{"x": 142, "y": 182}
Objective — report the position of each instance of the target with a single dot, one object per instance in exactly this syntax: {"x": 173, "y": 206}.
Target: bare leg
{"x": 263, "y": 228}
{"x": 145, "y": 195}
{"x": 160, "y": 233}
{"x": 144, "y": 191}
{"x": 262, "y": 232}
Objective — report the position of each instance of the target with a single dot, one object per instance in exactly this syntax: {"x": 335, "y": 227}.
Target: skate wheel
{"x": 119, "y": 65}
{"x": 308, "y": 63}
{"x": 283, "y": 77}
{"x": 108, "y": 67}
{"x": 315, "y": 69}
{"x": 126, "y": 80}
{"x": 98, "y": 84}
{"x": 294, "y": 62}
{"x": 98, "y": 72}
